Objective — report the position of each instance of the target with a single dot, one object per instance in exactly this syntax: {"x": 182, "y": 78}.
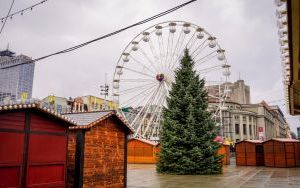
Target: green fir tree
{"x": 188, "y": 130}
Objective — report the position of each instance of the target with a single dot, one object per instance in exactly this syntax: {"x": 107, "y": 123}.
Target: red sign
{"x": 260, "y": 129}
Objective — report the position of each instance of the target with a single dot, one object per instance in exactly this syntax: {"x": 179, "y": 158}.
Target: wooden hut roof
{"x": 38, "y": 107}
{"x": 285, "y": 140}
{"x": 251, "y": 141}
{"x": 83, "y": 119}
{"x": 86, "y": 120}
{"x": 255, "y": 141}
{"x": 145, "y": 141}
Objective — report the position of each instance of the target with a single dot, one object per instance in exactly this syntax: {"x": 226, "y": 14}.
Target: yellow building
{"x": 58, "y": 104}
{"x": 96, "y": 103}
{"x": 79, "y": 104}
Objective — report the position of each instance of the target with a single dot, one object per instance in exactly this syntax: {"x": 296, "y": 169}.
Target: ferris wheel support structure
{"x": 146, "y": 70}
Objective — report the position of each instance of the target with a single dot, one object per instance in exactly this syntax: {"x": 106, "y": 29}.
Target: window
{"x": 244, "y": 118}
{"x": 244, "y": 129}
{"x": 236, "y": 117}
{"x": 250, "y": 130}
{"x": 237, "y": 129}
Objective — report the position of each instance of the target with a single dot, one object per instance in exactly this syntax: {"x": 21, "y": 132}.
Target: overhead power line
{"x": 105, "y": 36}
{"x": 6, "y": 16}
{"x": 21, "y": 12}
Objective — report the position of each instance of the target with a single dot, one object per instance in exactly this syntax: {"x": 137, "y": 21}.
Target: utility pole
{"x": 104, "y": 91}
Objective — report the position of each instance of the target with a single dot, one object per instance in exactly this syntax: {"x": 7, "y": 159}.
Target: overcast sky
{"x": 246, "y": 29}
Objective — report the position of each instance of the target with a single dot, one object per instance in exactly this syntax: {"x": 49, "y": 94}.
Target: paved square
{"x": 142, "y": 175}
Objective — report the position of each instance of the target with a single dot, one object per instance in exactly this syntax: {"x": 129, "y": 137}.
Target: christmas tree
{"x": 188, "y": 130}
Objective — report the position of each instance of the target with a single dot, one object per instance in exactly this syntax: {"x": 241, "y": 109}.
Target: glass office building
{"x": 16, "y": 78}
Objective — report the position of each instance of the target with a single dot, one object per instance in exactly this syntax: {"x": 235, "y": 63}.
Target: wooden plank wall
{"x": 141, "y": 152}
{"x": 225, "y": 151}
{"x": 240, "y": 150}
{"x": 281, "y": 154}
{"x": 250, "y": 149}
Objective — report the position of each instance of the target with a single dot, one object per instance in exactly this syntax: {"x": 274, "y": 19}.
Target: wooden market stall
{"x": 225, "y": 151}
{"x": 33, "y": 146}
{"x": 249, "y": 153}
{"x": 97, "y": 150}
{"x": 142, "y": 151}
{"x": 282, "y": 152}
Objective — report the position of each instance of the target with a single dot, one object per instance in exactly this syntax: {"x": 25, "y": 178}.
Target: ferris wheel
{"x": 145, "y": 71}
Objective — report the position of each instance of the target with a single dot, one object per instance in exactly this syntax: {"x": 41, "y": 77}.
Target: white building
{"x": 241, "y": 120}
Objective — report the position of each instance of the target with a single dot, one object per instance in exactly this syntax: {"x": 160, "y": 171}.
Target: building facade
{"x": 96, "y": 103}
{"x": 280, "y": 122}
{"x": 16, "y": 78}
{"x": 87, "y": 103}
{"x": 239, "y": 92}
{"x": 58, "y": 104}
{"x": 265, "y": 120}
{"x": 236, "y": 123}
{"x": 241, "y": 120}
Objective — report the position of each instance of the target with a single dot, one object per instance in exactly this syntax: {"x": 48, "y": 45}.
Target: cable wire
{"x": 105, "y": 36}
{"x": 7, "y": 16}
{"x": 23, "y": 10}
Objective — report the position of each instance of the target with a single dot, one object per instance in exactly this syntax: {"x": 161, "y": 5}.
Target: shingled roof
{"x": 86, "y": 120}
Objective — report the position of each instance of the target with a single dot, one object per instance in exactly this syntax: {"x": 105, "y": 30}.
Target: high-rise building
{"x": 16, "y": 78}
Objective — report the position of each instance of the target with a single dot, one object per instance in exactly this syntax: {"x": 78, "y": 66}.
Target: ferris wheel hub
{"x": 160, "y": 77}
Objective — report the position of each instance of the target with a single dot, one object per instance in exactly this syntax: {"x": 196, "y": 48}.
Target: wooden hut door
{"x": 47, "y": 146}
{"x": 11, "y": 148}
{"x": 259, "y": 155}
{"x": 46, "y": 161}
{"x": 11, "y": 155}
{"x": 32, "y": 151}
